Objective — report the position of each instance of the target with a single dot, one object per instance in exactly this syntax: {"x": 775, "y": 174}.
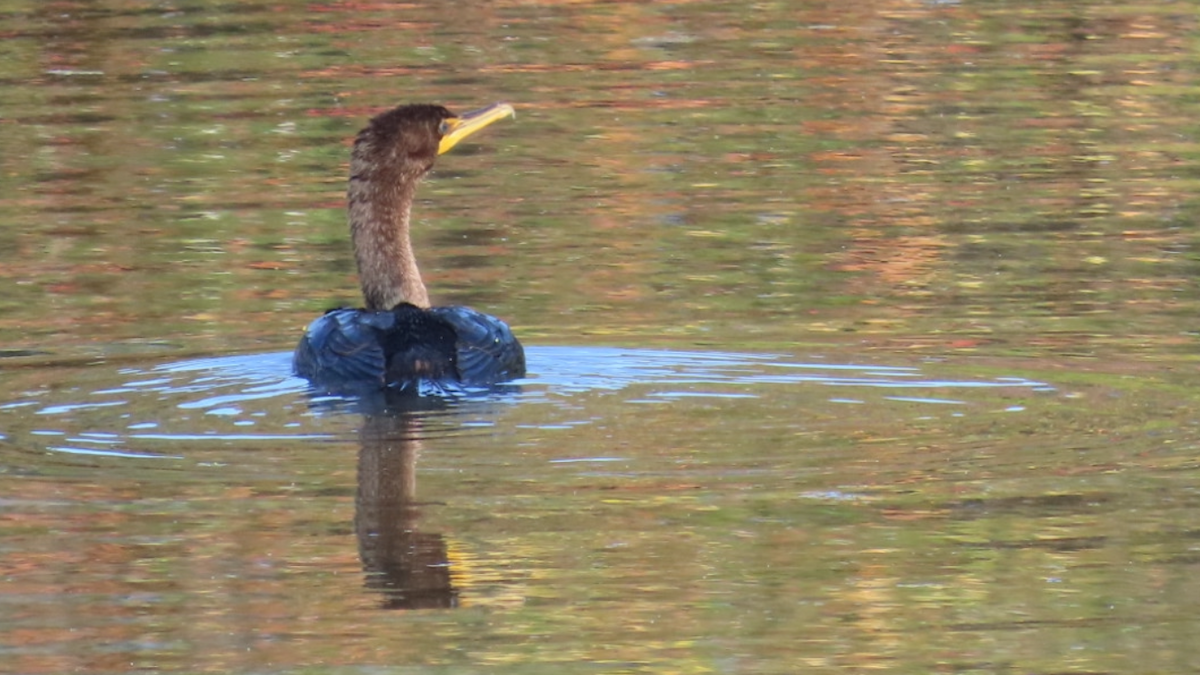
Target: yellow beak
{"x": 458, "y": 128}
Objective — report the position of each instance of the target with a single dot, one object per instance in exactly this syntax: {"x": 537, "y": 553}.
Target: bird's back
{"x": 348, "y": 350}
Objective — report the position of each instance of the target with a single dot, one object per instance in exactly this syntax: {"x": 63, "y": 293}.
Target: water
{"x": 525, "y": 498}
{"x": 212, "y": 514}
{"x": 859, "y": 337}
{"x": 145, "y": 412}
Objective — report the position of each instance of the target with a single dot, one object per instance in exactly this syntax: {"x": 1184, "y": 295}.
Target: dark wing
{"x": 348, "y": 350}
{"x": 342, "y": 349}
{"x": 487, "y": 351}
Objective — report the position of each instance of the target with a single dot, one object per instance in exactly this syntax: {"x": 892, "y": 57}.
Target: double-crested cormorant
{"x": 398, "y": 341}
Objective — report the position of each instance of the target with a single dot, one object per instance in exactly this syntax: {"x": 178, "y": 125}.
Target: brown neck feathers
{"x": 380, "y": 195}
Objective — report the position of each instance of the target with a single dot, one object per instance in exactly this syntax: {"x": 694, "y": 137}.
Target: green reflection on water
{"x": 979, "y": 182}
{"x": 691, "y": 174}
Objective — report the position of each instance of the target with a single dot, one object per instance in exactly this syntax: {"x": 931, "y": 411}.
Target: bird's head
{"x": 410, "y": 138}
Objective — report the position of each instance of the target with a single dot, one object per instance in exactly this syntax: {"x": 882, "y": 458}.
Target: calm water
{"x": 860, "y": 337}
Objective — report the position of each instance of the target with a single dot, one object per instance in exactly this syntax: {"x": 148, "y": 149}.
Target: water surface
{"x": 860, "y": 338}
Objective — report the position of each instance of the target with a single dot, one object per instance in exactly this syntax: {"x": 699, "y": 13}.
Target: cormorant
{"x": 399, "y": 341}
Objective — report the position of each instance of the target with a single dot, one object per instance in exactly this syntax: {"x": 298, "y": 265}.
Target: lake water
{"x": 860, "y": 336}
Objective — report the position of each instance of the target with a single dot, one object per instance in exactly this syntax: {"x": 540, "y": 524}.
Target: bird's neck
{"x": 380, "y": 208}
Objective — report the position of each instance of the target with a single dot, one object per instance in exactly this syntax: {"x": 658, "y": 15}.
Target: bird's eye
{"x": 444, "y": 128}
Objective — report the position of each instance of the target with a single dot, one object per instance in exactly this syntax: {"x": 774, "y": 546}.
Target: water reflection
{"x": 202, "y": 419}
{"x": 173, "y": 411}
{"x": 409, "y": 567}
{"x": 990, "y": 181}
{"x": 747, "y": 492}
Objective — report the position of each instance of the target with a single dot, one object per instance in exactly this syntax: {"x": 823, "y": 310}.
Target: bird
{"x": 399, "y": 342}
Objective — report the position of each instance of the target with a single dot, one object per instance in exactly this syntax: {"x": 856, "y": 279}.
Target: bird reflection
{"x": 408, "y": 567}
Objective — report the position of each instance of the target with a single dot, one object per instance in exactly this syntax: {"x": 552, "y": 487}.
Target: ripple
{"x": 152, "y": 412}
